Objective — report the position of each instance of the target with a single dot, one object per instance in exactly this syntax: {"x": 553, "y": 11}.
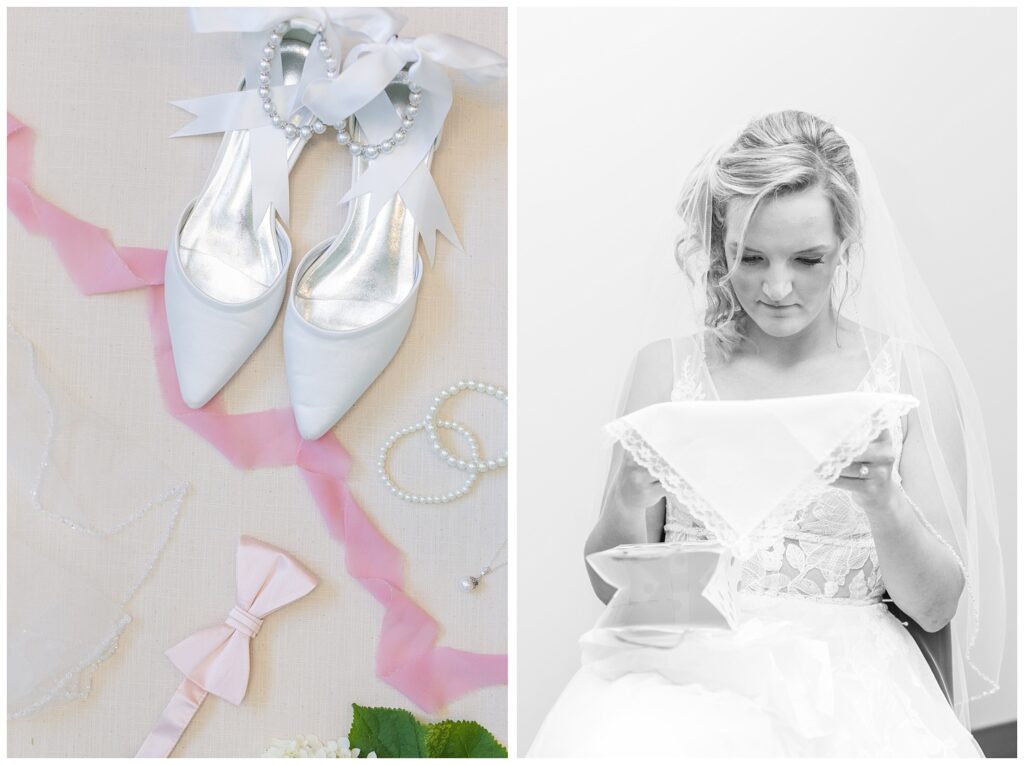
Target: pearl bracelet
{"x": 439, "y": 499}
{"x": 476, "y": 465}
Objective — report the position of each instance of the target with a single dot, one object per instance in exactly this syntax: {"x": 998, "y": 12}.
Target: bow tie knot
{"x": 244, "y": 622}
{"x": 216, "y": 660}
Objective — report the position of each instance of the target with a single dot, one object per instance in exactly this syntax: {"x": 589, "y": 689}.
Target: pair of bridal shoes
{"x": 351, "y": 301}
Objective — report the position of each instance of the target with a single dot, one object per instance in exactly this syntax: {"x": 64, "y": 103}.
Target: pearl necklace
{"x": 470, "y": 583}
{"x": 368, "y": 151}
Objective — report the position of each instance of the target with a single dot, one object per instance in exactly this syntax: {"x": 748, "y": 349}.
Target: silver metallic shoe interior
{"x": 222, "y": 252}
{"x": 370, "y": 267}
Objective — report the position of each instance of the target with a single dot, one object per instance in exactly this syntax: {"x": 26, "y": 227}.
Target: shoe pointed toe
{"x": 198, "y": 386}
{"x": 314, "y": 421}
{"x": 328, "y": 371}
{"x": 210, "y": 339}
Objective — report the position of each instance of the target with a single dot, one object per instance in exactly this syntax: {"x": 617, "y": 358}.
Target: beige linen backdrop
{"x": 931, "y": 92}
{"x": 95, "y": 85}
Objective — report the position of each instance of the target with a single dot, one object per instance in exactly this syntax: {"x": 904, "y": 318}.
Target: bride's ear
{"x": 844, "y": 253}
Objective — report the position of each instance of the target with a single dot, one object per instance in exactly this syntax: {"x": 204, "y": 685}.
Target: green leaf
{"x": 462, "y": 739}
{"x": 386, "y": 732}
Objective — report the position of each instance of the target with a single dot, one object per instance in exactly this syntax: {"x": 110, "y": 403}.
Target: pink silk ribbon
{"x": 408, "y": 657}
{"x": 216, "y": 660}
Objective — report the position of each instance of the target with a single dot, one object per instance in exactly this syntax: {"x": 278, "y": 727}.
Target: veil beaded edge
{"x": 65, "y": 619}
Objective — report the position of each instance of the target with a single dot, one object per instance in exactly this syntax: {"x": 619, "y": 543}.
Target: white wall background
{"x": 614, "y": 108}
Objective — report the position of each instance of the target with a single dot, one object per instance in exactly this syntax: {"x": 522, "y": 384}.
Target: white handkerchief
{"x": 744, "y": 468}
{"x": 667, "y": 588}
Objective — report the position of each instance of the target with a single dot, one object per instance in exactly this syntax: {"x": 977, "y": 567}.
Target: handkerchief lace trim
{"x": 773, "y": 525}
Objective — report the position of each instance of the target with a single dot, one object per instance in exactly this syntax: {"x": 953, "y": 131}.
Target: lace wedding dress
{"x": 817, "y": 666}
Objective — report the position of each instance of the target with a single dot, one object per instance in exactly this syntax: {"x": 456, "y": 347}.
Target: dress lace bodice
{"x": 826, "y": 551}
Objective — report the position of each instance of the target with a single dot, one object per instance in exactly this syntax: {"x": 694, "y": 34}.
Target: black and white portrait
{"x": 766, "y": 375}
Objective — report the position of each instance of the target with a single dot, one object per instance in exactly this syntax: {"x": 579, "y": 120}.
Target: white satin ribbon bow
{"x": 359, "y": 90}
{"x": 242, "y": 109}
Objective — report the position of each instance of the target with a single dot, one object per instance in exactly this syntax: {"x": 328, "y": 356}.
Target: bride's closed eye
{"x": 805, "y": 261}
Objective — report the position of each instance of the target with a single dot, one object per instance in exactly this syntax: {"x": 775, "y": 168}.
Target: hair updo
{"x": 781, "y": 153}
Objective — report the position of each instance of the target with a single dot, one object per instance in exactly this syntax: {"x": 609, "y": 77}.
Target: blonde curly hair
{"x": 781, "y": 153}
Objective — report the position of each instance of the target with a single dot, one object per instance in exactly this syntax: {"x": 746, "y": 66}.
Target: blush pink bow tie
{"x": 216, "y": 660}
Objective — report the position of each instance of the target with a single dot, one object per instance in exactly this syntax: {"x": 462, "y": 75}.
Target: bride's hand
{"x": 869, "y": 477}
{"x": 637, "y": 487}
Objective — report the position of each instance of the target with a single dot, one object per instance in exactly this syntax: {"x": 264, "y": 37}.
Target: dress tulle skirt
{"x": 797, "y": 678}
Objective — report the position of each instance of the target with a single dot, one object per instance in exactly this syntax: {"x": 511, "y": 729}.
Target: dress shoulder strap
{"x": 687, "y": 368}
{"x": 895, "y": 351}
{"x": 678, "y": 354}
{"x": 886, "y": 368}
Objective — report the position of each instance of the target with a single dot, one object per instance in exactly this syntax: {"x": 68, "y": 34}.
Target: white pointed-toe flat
{"x": 225, "y": 274}
{"x": 350, "y": 306}
{"x": 329, "y": 369}
{"x": 211, "y": 338}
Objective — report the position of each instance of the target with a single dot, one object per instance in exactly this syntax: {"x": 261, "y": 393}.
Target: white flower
{"x": 312, "y": 746}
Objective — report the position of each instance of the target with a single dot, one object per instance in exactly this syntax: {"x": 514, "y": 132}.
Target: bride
{"x": 868, "y": 625}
